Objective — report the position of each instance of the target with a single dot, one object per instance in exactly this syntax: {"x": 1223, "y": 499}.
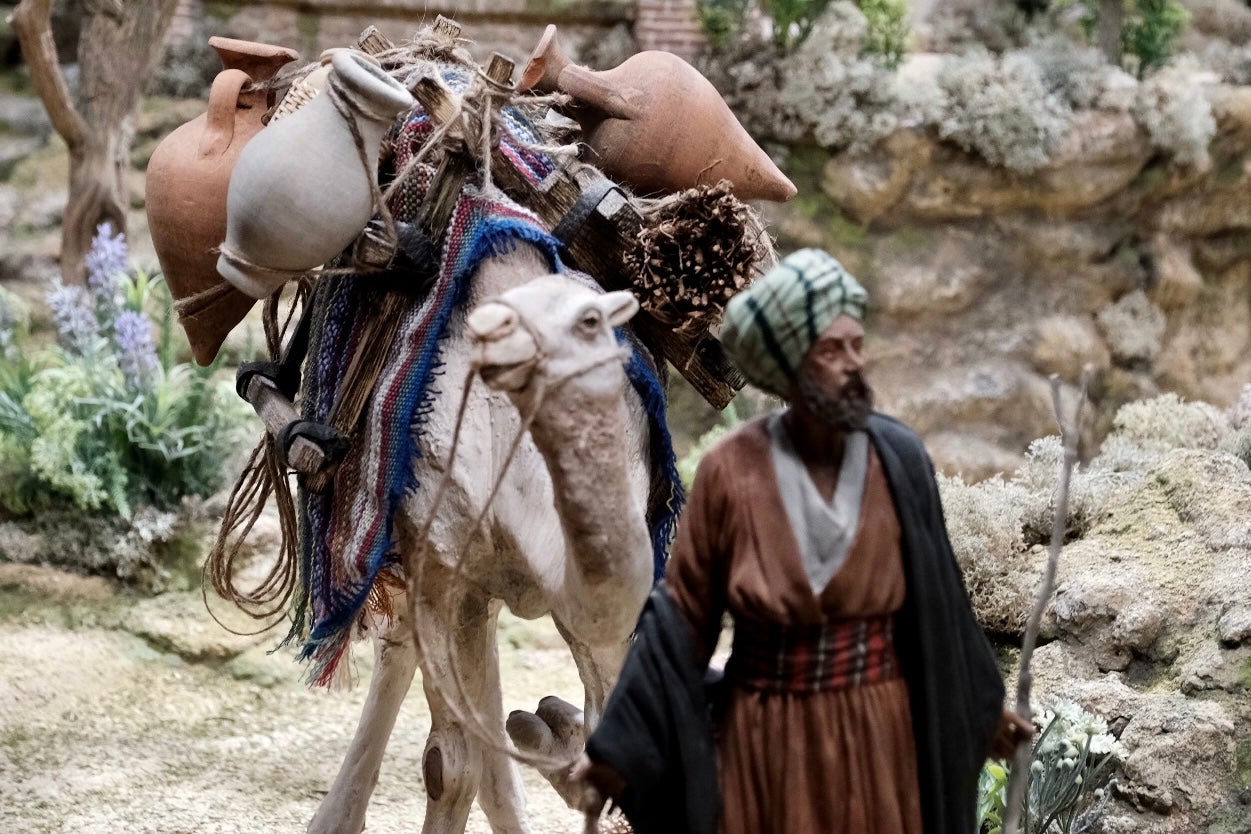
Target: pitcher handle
{"x": 219, "y": 128}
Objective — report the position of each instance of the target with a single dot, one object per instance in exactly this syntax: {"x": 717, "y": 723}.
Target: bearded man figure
{"x": 861, "y": 696}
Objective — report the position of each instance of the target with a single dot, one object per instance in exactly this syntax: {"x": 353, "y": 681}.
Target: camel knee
{"x": 449, "y": 769}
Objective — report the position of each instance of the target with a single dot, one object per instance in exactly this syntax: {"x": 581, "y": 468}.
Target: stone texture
{"x": 1178, "y": 282}
{"x": 1146, "y": 630}
{"x": 1235, "y": 623}
{"x": 1065, "y": 345}
{"x": 866, "y": 186}
{"x": 972, "y": 458}
{"x": 1176, "y": 744}
{"x": 1101, "y": 155}
{"x": 170, "y": 625}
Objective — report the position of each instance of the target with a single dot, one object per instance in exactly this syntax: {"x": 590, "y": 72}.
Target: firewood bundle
{"x": 696, "y": 249}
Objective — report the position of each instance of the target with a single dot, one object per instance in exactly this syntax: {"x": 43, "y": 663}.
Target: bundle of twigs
{"x": 696, "y": 249}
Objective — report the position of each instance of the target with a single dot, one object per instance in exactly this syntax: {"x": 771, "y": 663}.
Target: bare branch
{"x": 1069, "y": 434}
{"x": 32, "y": 21}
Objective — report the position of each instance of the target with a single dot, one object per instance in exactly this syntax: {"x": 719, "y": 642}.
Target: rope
{"x": 350, "y": 112}
{"x": 192, "y": 305}
{"x": 262, "y": 476}
{"x": 242, "y": 264}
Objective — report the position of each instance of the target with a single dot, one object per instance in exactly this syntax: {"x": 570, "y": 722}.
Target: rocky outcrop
{"x": 985, "y": 281}
{"x": 1150, "y": 627}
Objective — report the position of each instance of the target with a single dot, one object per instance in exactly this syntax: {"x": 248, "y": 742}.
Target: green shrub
{"x": 109, "y": 421}
{"x": 1150, "y": 31}
{"x": 689, "y": 463}
{"x": 888, "y": 30}
{"x": 1151, "y": 35}
{"x": 793, "y": 20}
{"x": 722, "y": 20}
{"x": 1001, "y": 108}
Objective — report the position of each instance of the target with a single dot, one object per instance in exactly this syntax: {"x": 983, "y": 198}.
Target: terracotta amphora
{"x": 300, "y": 192}
{"x": 656, "y": 124}
{"x": 187, "y": 179}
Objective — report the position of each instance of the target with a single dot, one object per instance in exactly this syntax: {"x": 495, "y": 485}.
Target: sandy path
{"x": 143, "y": 716}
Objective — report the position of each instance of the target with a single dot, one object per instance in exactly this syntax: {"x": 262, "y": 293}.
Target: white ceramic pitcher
{"x": 300, "y": 193}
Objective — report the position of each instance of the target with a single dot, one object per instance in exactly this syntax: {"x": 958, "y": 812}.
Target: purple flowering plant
{"x": 111, "y": 419}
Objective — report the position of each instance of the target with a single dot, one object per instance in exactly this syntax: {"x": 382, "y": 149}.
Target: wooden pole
{"x": 276, "y": 412}
{"x": 1069, "y": 434}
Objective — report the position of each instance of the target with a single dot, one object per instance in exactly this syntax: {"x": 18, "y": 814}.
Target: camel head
{"x": 551, "y": 327}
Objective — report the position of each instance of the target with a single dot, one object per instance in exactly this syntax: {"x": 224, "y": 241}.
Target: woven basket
{"x": 298, "y": 94}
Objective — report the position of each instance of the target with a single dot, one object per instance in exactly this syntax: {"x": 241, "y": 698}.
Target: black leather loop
{"x": 247, "y": 370}
{"x": 332, "y": 444}
{"x": 573, "y": 221}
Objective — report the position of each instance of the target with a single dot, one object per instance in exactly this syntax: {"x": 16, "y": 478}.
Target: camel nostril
{"x": 492, "y": 322}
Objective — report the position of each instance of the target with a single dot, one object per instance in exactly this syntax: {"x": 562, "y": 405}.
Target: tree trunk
{"x": 117, "y": 52}
{"x": 1111, "y": 22}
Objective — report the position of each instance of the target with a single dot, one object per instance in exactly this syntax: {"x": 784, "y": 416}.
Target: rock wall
{"x": 1150, "y": 629}
{"x": 508, "y": 26}
{"x": 986, "y": 281}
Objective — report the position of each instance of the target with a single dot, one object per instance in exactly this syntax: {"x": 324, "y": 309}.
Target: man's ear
{"x": 619, "y": 307}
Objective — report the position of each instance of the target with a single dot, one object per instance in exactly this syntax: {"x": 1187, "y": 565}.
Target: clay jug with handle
{"x": 187, "y": 179}
{"x": 656, "y": 124}
{"x": 301, "y": 191}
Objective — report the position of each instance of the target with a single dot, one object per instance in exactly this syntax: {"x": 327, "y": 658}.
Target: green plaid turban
{"x": 770, "y": 326}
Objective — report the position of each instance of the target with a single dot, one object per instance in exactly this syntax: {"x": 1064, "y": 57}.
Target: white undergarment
{"x": 825, "y": 531}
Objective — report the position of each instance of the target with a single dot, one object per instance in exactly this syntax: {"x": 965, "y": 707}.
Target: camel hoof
{"x": 553, "y": 730}
{"x": 564, "y": 719}
{"x": 529, "y": 732}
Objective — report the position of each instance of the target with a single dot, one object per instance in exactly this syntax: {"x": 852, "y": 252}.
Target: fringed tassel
{"x": 665, "y": 495}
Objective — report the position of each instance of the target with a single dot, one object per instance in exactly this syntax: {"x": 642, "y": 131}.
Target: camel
{"x": 566, "y": 535}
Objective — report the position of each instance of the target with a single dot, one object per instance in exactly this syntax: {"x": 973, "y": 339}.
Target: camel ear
{"x": 619, "y": 307}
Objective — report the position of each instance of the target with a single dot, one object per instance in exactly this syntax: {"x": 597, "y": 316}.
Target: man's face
{"x": 830, "y": 379}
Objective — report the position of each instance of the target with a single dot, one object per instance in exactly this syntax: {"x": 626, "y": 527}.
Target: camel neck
{"x": 580, "y": 438}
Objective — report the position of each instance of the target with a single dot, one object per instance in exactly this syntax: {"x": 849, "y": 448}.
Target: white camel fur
{"x": 565, "y": 535}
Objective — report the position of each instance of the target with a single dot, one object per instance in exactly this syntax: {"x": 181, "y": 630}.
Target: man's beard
{"x": 845, "y": 409}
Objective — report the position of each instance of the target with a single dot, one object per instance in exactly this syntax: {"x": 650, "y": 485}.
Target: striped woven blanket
{"x": 347, "y": 541}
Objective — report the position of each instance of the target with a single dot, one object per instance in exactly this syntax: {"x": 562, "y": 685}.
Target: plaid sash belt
{"x": 838, "y": 654}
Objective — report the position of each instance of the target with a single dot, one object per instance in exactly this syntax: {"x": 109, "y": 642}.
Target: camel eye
{"x": 590, "y": 320}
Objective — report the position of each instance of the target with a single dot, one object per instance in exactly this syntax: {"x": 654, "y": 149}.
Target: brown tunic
{"x": 826, "y": 762}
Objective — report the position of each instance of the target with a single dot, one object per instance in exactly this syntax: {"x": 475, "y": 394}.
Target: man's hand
{"x": 1012, "y": 730}
{"x": 599, "y": 782}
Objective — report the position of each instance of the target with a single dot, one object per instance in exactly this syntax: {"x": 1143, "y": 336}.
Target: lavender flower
{"x": 76, "y": 323}
{"x": 108, "y": 260}
{"x": 108, "y": 263}
{"x": 136, "y": 350}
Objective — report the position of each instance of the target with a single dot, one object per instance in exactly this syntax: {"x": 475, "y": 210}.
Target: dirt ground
{"x": 141, "y": 715}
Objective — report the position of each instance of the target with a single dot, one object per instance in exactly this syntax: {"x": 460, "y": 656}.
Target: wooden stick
{"x": 1069, "y": 434}
{"x": 373, "y": 42}
{"x": 276, "y": 411}
{"x": 447, "y": 26}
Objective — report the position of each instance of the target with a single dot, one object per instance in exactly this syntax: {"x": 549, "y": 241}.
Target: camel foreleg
{"x": 343, "y": 809}
{"x": 558, "y": 730}
{"x": 459, "y": 763}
